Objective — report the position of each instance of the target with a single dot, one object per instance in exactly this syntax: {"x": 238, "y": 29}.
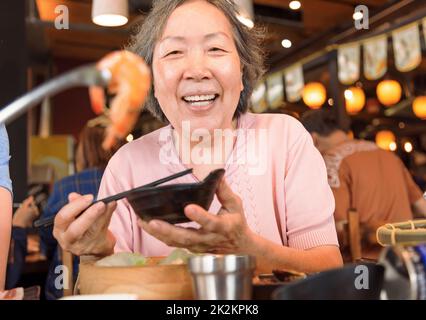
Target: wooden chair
{"x": 67, "y": 261}
{"x": 357, "y": 241}
{"x": 354, "y": 232}
{"x": 348, "y": 232}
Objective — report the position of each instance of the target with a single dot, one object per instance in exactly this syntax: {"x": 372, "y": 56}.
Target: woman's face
{"x": 197, "y": 69}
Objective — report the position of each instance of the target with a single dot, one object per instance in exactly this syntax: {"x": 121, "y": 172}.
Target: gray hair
{"x": 248, "y": 43}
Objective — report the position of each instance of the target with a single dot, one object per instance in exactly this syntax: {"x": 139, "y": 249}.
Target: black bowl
{"x": 167, "y": 202}
{"x": 337, "y": 284}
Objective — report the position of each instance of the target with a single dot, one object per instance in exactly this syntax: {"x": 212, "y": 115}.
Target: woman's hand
{"x": 25, "y": 215}
{"x": 226, "y": 232}
{"x": 87, "y": 234}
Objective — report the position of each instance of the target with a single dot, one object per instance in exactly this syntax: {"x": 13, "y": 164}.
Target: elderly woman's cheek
{"x": 165, "y": 81}
{"x": 230, "y": 73}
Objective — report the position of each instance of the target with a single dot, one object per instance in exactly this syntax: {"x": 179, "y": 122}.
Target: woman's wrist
{"x": 106, "y": 247}
{"x": 257, "y": 246}
{"x": 254, "y": 250}
{"x": 251, "y": 243}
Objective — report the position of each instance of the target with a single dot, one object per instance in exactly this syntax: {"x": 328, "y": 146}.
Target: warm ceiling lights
{"x": 129, "y": 138}
{"x": 246, "y": 21}
{"x": 110, "y": 13}
{"x": 286, "y": 43}
{"x": 314, "y": 95}
{"x": 393, "y": 146}
{"x": 419, "y": 107}
{"x": 245, "y": 12}
{"x": 386, "y": 140}
{"x": 389, "y": 92}
{"x": 348, "y": 94}
{"x": 357, "y": 15}
{"x": 408, "y": 147}
{"x": 295, "y": 5}
{"x": 354, "y": 100}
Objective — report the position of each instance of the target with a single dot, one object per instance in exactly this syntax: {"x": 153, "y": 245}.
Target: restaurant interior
{"x": 362, "y": 61}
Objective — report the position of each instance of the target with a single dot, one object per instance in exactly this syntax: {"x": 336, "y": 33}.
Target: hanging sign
{"x": 275, "y": 92}
{"x": 348, "y": 59}
{"x": 406, "y": 46}
{"x": 294, "y": 83}
{"x": 258, "y": 98}
{"x": 375, "y": 57}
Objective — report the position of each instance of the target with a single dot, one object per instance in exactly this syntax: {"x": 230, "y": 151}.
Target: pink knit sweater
{"x": 282, "y": 183}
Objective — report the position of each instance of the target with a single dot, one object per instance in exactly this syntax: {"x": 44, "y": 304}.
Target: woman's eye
{"x": 173, "y": 53}
{"x": 215, "y": 49}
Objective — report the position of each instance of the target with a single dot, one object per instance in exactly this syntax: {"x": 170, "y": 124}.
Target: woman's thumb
{"x": 229, "y": 200}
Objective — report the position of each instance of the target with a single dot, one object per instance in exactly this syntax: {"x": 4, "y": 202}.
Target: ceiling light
{"x": 295, "y": 5}
{"x": 110, "y": 13}
{"x": 357, "y": 15}
{"x": 408, "y": 147}
{"x": 348, "y": 94}
{"x": 245, "y": 12}
{"x": 246, "y": 21}
{"x": 286, "y": 43}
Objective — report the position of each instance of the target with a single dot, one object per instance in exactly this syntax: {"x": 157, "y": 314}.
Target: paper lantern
{"x": 419, "y": 107}
{"x": 314, "y": 95}
{"x": 385, "y": 138}
{"x": 354, "y": 100}
{"x": 389, "y": 92}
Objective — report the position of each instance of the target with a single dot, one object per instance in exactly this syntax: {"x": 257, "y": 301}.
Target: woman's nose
{"x": 197, "y": 67}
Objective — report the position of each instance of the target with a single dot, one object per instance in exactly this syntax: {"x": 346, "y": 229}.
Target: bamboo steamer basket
{"x": 149, "y": 282}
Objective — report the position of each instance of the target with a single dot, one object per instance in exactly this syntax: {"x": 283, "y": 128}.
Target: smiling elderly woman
{"x": 274, "y": 202}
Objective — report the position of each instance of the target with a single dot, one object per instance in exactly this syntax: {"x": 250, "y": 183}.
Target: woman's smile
{"x": 200, "y": 102}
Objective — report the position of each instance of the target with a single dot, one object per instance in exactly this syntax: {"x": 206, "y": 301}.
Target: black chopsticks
{"x": 46, "y": 222}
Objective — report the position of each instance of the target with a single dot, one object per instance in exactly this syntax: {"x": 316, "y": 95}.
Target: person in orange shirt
{"x": 363, "y": 177}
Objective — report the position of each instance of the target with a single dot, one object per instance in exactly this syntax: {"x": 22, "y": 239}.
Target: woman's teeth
{"x": 201, "y": 100}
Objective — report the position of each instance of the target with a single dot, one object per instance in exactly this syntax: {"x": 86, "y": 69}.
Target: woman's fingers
{"x": 70, "y": 211}
{"x": 169, "y": 234}
{"x": 86, "y": 233}
{"x": 109, "y": 211}
{"x": 229, "y": 200}
{"x": 175, "y": 236}
{"x": 206, "y": 220}
{"x": 91, "y": 218}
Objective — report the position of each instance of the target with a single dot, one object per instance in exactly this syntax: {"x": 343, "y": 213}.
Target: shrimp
{"x": 130, "y": 82}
